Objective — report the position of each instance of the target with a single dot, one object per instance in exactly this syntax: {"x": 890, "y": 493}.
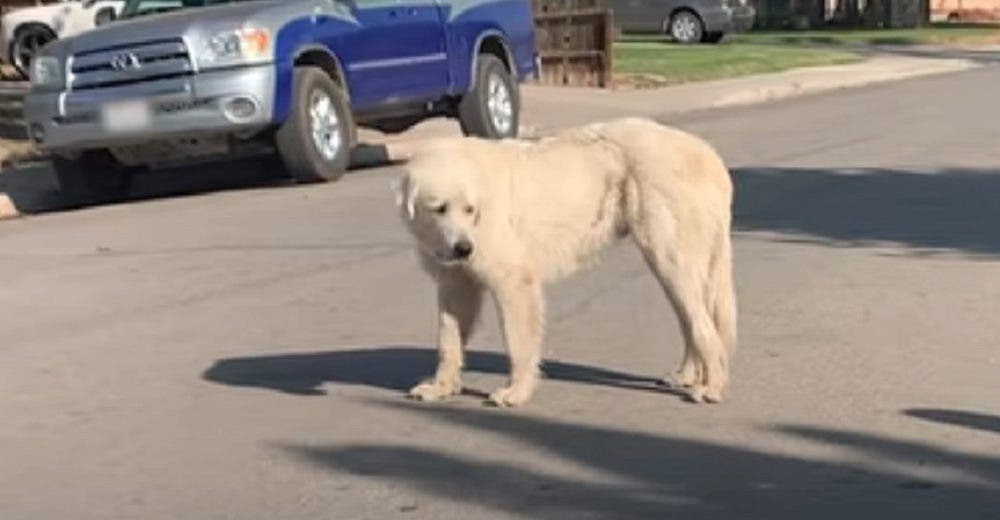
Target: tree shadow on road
{"x": 971, "y": 420}
{"x": 392, "y": 368}
{"x": 953, "y": 209}
{"x": 564, "y": 470}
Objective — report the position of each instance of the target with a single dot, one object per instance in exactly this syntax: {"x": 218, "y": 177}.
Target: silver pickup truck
{"x": 172, "y": 81}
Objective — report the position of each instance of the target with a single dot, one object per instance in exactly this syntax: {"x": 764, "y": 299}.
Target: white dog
{"x": 509, "y": 216}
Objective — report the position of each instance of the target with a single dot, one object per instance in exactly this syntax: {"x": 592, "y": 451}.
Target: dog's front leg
{"x": 522, "y": 314}
{"x": 459, "y": 301}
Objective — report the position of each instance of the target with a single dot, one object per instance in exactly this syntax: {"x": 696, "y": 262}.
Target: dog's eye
{"x": 441, "y": 209}
{"x": 469, "y": 210}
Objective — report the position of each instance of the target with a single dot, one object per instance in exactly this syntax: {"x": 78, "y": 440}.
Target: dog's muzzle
{"x": 462, "y": 249}
{"x": 459, "y": 252}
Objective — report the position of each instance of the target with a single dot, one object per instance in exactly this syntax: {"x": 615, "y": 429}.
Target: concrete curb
{"x": 838, "y": 77}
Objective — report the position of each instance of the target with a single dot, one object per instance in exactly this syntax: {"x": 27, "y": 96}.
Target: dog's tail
{"x": 722, "y": 293}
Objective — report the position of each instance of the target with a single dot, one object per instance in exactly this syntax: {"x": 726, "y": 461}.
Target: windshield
{"x": 143, "y": 7}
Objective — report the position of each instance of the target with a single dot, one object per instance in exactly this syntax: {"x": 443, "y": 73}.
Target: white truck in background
{"x": 26, "y": 30}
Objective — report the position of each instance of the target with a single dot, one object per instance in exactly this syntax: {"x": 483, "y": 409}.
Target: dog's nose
{"x": 462, "y": 248}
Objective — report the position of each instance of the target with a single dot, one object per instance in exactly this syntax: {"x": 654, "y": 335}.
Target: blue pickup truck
{"x": 172, "y": 81}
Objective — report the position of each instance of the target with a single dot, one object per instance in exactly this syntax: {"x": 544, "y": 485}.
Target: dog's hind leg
{"x": 682, "y": 269}
{"x": 459, "y": 302}
{"x": 522, "y": 314}
{"x": 705, "y": 365}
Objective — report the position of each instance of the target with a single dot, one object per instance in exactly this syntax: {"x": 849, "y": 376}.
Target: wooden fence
{"x": 574, "y": 39}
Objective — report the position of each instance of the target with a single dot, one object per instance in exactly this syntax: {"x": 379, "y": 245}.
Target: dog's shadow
{"x": 392, "y": 368}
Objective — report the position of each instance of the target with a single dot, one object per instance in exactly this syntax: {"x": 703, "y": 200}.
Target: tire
{"x": 686, "y": 27}
{"x": 492, "y": 109}
{"x": 27, "y": 41}
{"x": 713, "y": 37}
{"x": 316, "y": 150}
{"x": 95, "y": 177}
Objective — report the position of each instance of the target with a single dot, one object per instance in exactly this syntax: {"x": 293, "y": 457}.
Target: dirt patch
{"x": 638, "y": 81}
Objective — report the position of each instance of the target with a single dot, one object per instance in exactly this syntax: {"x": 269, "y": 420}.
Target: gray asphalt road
{"x": 241, "y": 354}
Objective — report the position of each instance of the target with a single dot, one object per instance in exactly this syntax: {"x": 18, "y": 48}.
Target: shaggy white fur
{"x": 508, "y": 216}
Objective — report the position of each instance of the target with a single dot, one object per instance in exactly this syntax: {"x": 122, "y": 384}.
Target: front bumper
{"x": 171, "y": 108}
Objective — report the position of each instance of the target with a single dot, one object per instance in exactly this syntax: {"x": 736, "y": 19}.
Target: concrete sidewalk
{"x": 548, "y": 108}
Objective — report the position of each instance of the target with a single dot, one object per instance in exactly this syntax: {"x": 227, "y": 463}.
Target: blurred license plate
{"x": 126, "y": 116}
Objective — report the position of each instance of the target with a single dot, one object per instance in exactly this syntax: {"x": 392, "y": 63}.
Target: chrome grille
{"x": 130, "y": 64}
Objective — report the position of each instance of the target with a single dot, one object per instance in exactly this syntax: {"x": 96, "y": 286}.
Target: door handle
{"x": 410, "y": 11}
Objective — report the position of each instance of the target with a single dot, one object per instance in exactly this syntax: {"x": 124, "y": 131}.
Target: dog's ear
{"x": 406, "y": 195}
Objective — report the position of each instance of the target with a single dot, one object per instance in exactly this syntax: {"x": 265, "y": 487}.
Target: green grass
{"x": 687, "y": 63}
{"x": 773, "y": 51}
{"x": 943, "y": 34}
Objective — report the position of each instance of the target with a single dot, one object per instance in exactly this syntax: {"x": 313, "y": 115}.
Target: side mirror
{"x": 104, "y": 16}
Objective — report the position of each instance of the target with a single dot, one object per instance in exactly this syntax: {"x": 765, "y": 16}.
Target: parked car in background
{"x": 26, "y": 30}
{"x": 686, "y": 21}
{"x": 298, "y": 76}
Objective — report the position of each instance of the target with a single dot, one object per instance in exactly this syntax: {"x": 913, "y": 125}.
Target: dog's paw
{"x": 687, "y": 376}
{"x": 706, "y": 394}
{"x": 509, "y": 397}
{"x": 433, "y": 391}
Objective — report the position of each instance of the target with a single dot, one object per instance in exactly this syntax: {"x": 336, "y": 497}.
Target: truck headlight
{"x": 235, "y": 47}
{"x": 46, "y": 71}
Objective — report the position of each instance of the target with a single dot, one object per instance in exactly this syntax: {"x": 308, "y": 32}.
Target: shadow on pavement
{"x": 610, "y": 472}
{"x": 938, "y": 210}
{"x": 33, "y": 187}
{"x": 392, "y": 368}
{"x": 924, "y": 210}
{"x": 971, "y": 420}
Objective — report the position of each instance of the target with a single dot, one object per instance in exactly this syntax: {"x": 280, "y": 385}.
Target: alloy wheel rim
{"x": 325, "y": 125}
{"x": 684, "y": 28}
{"x": 499, "y": 104}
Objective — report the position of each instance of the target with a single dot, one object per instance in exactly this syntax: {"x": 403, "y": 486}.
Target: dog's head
{"x": 438, "y": 199}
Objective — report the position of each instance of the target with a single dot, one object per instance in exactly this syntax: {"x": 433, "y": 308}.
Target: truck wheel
{"x": 27, "y": 41}
{"x": 492, "y": 109}
{"x": 315, "y": 141}
{"x": 95, "y": 177}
